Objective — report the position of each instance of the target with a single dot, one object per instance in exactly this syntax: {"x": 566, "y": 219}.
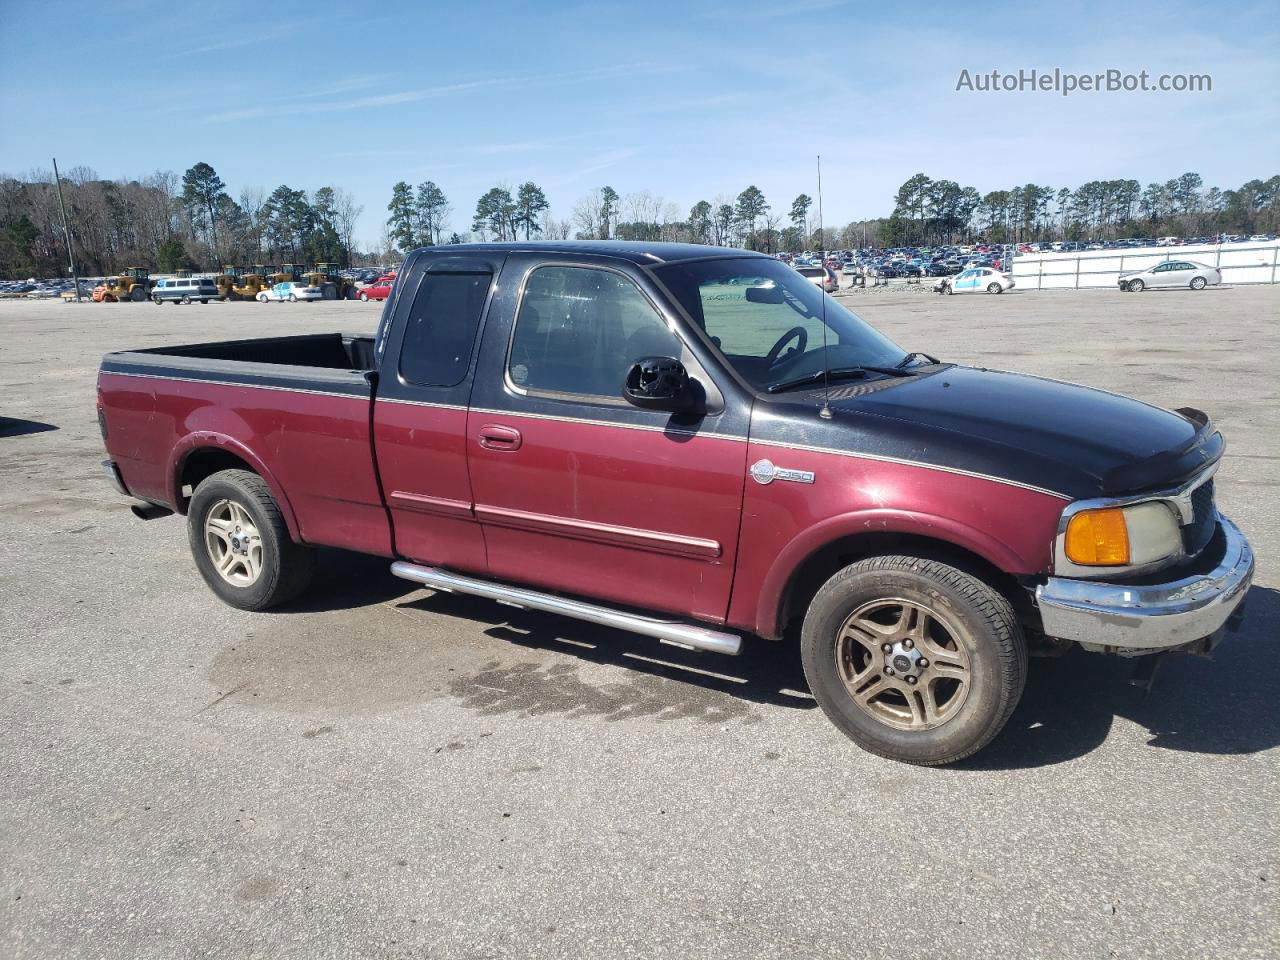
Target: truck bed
{"x": 333, "y": 351}
{"x": 295, "y": 409}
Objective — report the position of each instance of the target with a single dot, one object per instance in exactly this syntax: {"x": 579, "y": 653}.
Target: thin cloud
{"x": 235, "y": 44}
{"x": 398, "y": 97}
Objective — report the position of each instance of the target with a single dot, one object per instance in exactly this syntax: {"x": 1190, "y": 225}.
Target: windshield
{"x": 767, "y": 320}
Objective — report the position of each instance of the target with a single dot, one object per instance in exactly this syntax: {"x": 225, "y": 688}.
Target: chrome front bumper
{"x": 1128, "y": 619}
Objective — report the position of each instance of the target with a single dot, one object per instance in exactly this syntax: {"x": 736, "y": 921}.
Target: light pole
{"x": 66, "y": 230}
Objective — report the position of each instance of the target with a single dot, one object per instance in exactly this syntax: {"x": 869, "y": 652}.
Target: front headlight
{"x": 1122, "y": 536}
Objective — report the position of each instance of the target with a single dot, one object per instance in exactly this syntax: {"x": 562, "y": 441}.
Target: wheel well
{"x": 203, "y": 463}
{"x": 824, "y": 563}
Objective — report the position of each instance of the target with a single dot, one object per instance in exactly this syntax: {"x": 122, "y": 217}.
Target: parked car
{"x": 1173, "y": 273}
{"x": 631, "y": 440}
{"x": 975, "y": 280}
{"x": 184, "y": 290}
{"x": 291, "y": 290}
{"x": 380, "y": 289}
{"x": 823, "y": 277}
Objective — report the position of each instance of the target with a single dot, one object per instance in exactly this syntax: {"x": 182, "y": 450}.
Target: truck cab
{"x": 699, "y": 445}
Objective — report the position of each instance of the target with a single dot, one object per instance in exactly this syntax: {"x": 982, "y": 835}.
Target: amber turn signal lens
{"x": 1098, "y": 538}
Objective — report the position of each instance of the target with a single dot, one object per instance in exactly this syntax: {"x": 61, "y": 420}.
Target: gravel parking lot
{"x": 378, "y": 771}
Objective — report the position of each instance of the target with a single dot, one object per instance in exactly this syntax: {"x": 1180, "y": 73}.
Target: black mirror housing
{"x": 660, "y": 383}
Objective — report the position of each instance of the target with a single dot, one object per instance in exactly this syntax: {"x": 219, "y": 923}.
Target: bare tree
{"x": 346, "y": 212}
{"x": 586, "y": 213}
{"x": 553, "y": 229}
{"x": 252, "y": 200}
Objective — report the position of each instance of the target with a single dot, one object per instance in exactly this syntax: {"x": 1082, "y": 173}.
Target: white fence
{"x": 1240, "y": 263}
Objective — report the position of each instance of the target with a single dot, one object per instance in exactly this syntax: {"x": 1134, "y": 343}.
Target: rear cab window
{"x": 440, "y": 327}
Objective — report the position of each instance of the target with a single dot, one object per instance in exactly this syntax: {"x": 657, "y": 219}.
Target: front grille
{"x": 1197, "y": 534}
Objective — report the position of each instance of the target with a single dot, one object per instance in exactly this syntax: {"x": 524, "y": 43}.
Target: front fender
{"x": 812, "y": 539}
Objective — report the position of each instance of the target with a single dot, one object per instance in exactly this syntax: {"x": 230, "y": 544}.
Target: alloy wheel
{"x": 902, "y": 664}
{"x": 234, "y": 543}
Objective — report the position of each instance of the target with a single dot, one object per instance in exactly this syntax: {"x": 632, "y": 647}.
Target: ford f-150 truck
{"x": 698, "y": 445}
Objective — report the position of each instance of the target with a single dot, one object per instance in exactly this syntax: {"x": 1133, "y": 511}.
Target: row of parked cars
{"x": 1072, "y": 246}
{"x": 39, "y": 289}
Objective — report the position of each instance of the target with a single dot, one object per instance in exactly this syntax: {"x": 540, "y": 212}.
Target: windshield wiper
{"x": 913, "y": 355}
{"x": 835, "y": 373}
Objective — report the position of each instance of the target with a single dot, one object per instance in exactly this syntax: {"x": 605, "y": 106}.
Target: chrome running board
{"x": 672, "y": 631}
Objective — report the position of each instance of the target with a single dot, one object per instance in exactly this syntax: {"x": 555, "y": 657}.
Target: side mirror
{"x": 660, "y": 383}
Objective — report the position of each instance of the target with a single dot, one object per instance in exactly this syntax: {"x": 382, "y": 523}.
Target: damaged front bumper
{"x": 1134, "y": 619}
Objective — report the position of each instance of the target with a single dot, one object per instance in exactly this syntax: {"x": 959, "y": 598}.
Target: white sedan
{"x": 290, "y": 290}
{"x": 975, "y": 280}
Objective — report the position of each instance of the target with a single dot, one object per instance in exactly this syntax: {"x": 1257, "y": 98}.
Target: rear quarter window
{"x": 440, "y": 329}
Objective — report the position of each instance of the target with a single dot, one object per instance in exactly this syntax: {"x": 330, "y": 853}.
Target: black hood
{"x": 1069, "y": 439}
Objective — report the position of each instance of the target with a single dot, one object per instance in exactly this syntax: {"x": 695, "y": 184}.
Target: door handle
{"x": 496, "y": 437}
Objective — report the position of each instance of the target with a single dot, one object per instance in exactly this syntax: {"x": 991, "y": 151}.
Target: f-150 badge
{"x": 764, "y": 472}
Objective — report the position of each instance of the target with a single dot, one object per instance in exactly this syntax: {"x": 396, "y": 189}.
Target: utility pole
{"x": 66, "y": 230}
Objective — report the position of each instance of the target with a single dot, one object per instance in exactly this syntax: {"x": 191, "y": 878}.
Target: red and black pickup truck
{"x": 695, "y": 444}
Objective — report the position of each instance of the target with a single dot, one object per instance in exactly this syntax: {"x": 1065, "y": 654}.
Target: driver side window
{"x": 579, "y": 330}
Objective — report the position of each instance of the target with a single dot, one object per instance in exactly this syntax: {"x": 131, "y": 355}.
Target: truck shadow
{"x": 764, "y": 673}
{"x": 345, "y": 580}
{"x": 1223, "y": 706}
{"x": 1226, "y": 705}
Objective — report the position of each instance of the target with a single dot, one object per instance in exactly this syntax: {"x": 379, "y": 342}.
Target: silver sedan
{"x": 1172, "y": 273}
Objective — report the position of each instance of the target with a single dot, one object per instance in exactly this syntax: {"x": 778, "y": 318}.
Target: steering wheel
{"x": 799, "y": 334}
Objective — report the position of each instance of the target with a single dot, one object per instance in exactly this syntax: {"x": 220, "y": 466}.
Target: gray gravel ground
{"x": 383, "y": 772}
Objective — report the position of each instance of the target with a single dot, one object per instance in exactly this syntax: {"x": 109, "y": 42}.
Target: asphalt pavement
{"x": 379, "y": 771}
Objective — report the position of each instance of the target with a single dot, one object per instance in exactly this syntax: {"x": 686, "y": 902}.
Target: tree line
{"x": 941, "y": 211}
{"x": 926, "y": 211}
{"x": 167, "y": 222}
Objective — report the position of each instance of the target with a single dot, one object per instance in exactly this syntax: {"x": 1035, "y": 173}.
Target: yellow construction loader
{"x": 134, "y": 283}
{"x": 333, "y": 285}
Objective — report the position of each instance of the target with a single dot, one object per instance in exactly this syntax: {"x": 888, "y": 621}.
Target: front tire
{"x": 953, "y": 670}
{"x": 241, "y": 544}
{"x": 364, "y": 298}
{"x": 293, "y": 298}
{"x": 1136, "y": 286}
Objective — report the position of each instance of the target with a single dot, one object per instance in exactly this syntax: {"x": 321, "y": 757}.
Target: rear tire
{"x": 994, "y": 288}
{"x": 233, "y": 510}
{"x": 933, "y": 714}
{"x": 1198, "y": 283}
{"x": 186, "y": 300}
{"x": 293, "y": 298}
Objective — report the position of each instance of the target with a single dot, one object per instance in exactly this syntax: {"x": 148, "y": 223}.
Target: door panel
{"x": 598, "y": 497}
{"x": 635, "y": 516}
{"x": 420, "y": 417}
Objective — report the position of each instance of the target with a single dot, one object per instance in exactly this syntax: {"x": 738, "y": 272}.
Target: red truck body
{"x": 720, "y": 484}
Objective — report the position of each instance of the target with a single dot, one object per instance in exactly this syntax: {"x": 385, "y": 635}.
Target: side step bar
{"x": 672, "y": 631}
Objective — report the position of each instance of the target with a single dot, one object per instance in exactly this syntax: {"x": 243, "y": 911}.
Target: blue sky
{"x": 688, "y": 100}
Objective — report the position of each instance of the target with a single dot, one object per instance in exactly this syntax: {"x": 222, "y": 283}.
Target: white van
{"x": 184, "y": 290}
